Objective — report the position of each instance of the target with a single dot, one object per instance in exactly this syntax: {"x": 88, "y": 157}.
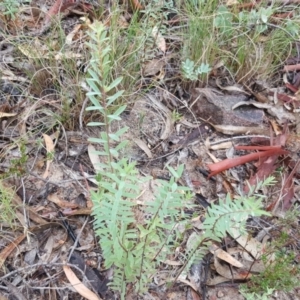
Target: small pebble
{"x": 220, "y": 294}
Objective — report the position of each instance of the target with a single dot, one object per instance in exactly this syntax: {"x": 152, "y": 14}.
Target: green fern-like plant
{"x": 191, "y": 71}
{"x": 232, "y": 214}
{"x": 135, "y": 249}
{"x": 225, "y": 216}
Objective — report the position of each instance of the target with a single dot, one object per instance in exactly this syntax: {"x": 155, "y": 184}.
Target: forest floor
{"x": 205, "y": 85}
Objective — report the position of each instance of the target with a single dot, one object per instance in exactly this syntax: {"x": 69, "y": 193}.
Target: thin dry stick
{"x": 25, "y": 213}
{"x": 61, "y": 182}
{"x": 49, "y": 265}
{"x": 77, "y": 238}
{"x": 239, "y": 137}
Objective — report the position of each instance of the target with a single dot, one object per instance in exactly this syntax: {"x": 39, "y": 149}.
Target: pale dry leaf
{"x": 190, "y": 284}
{"x": 246, "y": 255}
{"x": 253, "y": 246}
{"x": 50, "y": 149}
{"x": 218, "y": 64}
{"x": 61, "y": 203}
{"x": 256, "y": 104}
{"x": 285, "y": 78}
{"x": 143, "y": 146}
{"x": 67, "y": 55}
{"x": 168, "y": 127}
{"x": 159, "y": 39}
{"x": 94, "y": 157}
{"x": 230, "y": 273}
{"x": 161, "y": 278}
{"x": 78, "y": 285}
{"x": 188, "y": 124}
{"x": 153, "y": 67}
{"x": 160, "y": 76}
{"x": 197, "y": 223}
{"x": 33, "y": 51}
{"x": 213, "y": 158}
{"x": 80, "y": 211}
{"x": 71, "y": 35}
{"x": 5, "y": 252}
{"x": 231, "y": 130}
{"x": 275, "y": 127}
{"x": 172, "y": 262}
{"x": 232, "y": 2}
{"x": 122, "y": 22}
{"x": 225, "y": 145}
{"x": 251, "y": 264}
{"x": 85, "y": 21}
{"x": 10, "y": 76}
{"x": 235, "y": 250}
{"x": 3, "y": 114}
{"x": 216, "y": 280}
{"x": 207, "y": 143}
{"x": 168, "y": 121}
{"x": 256, "y": 266}
{"x": 18, "y": 202}
{"x": 21, "y": 218}
{"x": 22, "y": 128}
{"x": 136, "y": 5}
{"x": 231, "y": 88}
{"x": 221, "y": 254}
{"x": 47, "y": 251}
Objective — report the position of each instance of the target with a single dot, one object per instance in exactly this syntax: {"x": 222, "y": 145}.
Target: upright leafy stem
{"x": 133, "y": 249}
{"x": 100, "y": 87}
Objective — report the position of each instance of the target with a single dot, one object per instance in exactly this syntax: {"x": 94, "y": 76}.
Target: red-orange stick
{"x": 226, "y": 164}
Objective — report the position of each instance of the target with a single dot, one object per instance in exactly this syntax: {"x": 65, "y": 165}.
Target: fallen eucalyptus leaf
{"x": 143, "y": 146}
{"x": 78, "y": 285}
{"x": 50, "y": 148}
{"x": 221, "y": 254}
{"x": 159, "y": 39}
{"x": 94, "y": 157}
{"x": 230, "y": 273}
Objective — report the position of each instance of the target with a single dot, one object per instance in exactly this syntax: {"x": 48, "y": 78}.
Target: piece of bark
{"x": 217, "y": 109}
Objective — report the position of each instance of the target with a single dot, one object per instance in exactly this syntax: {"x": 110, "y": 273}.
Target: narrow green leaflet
{"x": 114, "y": 97}
{"x": 114, "y": 84}
{"x": 95, "y": 124}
